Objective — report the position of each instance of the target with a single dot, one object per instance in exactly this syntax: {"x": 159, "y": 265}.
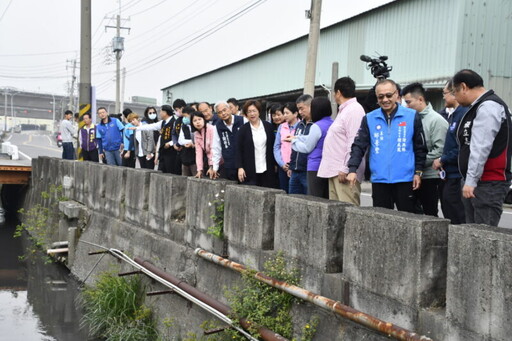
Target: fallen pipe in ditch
{"x": 339, "y": 308}
{"x": 265, "y": 333}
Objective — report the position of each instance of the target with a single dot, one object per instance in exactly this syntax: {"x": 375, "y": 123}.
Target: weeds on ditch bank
{"x": 36, "y": 222}
{"x": 263, "y": 305}
{"x": 114, "y": 309}
{"x": 217, "y": 229}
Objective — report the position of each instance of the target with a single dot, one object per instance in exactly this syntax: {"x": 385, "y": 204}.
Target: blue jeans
{"x": 113, "y": 157}
{"x": 298, "y": 183}
{"x": 68, "y": 151}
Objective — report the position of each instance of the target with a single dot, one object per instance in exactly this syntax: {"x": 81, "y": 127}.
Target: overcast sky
{"x": 169, "y": 40}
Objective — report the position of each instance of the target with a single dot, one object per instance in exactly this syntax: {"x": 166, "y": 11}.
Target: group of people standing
{"x": 415, "y": 155}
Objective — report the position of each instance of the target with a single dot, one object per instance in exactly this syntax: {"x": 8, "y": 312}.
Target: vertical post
{"x": 334, "y": 78}
{"x": 314, "y": 35}
{"x": 71, "y": 104}
{"x": 118, "y": 68}
{"x": 84, "y": 85}
{"x": 5, "y": 110}
{"x": 123, "y": 84}
{"x": 53, "y": 114}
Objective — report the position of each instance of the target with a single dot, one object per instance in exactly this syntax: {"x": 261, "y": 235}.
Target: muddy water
{"x": 37, "y": 300}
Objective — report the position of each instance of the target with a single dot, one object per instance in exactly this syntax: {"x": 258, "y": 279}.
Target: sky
{"x": 168, "y": 41}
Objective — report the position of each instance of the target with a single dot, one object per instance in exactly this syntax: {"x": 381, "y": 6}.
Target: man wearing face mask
{"x": 168, "y": 161}
{"x": 187, "y": 152}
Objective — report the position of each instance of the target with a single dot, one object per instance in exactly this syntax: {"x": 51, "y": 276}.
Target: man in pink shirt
{"x": 338, "y": 143}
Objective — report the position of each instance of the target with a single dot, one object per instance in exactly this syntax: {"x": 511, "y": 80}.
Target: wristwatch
{"x": 418, "y": 172}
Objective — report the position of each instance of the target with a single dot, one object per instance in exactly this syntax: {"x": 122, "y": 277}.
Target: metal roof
{"x": 425, "y": 40}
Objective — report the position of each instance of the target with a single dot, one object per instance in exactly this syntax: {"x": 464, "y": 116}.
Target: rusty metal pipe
{"x": 339, "y": 308}
{"x": 265, "y": 333}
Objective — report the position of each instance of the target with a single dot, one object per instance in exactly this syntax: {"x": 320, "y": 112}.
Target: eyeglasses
{"x": 446, "y": 93}
{"x": 388, "y": 95}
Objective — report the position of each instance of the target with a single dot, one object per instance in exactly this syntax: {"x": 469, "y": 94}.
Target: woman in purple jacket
{"x": 313, "y": 144}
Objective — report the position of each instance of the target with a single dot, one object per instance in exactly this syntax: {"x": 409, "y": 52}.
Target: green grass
{"x": 114, "y": 309}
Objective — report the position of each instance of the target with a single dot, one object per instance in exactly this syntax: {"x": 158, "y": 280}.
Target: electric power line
{"x": 164, "y": 56}
{"x": 5, "y": 11}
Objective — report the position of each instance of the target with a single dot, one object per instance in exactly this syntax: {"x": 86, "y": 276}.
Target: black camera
{"x": 377, "y": 66}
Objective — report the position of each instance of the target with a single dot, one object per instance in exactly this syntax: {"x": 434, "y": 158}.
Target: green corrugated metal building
{"x": 425, "y": 40}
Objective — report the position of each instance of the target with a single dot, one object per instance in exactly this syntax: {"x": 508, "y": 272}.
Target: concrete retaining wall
{"x": 448, "y": 282}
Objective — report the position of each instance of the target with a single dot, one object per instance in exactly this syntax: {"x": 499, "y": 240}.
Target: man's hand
{"x": 289, "y": 173}
{"x": 468, "y": 192}
{"x": 199, "y": 174}
{"x": 189, "y": 145}
{"x": 290, "y": 138}
{"x": 342, "y": 177}
{"x": 241, "y": 174}
{"x": 437, "y": 164}
{"x": 416, "y": 182}
{"x": 178, "y": 148}
{"x": 351, "y": 179}
{"x": 167, "y": 146}
{"x": 127, "y": 154}
{"x": 102, "y": 156}
{"x": 286, "y": 167}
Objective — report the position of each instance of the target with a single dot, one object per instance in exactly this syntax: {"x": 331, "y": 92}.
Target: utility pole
{"x": 84, "y": 86}
{"x": 71, "y": 103}
{"x": 334, "y": 78}
{"x": 123, "y": 79}
{"x": 5, "y": 109}
{"x": 118, "y": 48}
{"x": 314, "y": 35}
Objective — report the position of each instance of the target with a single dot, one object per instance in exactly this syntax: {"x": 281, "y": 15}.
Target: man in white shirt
{"x": 226, "y": 130}
{"x": 68, "y": 134}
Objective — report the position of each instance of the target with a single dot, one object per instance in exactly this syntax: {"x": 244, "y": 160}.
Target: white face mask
{"x": 152, "y": 116}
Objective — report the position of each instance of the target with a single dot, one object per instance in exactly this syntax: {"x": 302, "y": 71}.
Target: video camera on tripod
{"x": 377, "y": 66}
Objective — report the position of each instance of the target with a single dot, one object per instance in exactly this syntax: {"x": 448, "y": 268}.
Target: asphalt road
{"x": 506, "y": 217}
{"x": 32, "y": 144}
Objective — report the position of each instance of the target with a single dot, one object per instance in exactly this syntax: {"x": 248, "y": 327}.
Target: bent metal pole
{"x": 339, "y": 308}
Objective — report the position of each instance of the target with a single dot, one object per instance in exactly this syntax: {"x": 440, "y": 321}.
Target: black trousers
{"x": 90, "y": 155}
{"x": 265, "y": 179}
{"x": 389, "y": 195}
{"x": 129, "y": 162}
{"x": 451, "y": 201}
{"x": 145, "y": 163}
{"x": 169, "y": 161}
{"x": 317, "y": 187}
{"x": 228, "y": 173}
{"x": 428, "y": 196}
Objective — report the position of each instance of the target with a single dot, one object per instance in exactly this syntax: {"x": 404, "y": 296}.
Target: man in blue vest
{"x": 224, "y": 145}
{"x": 394, "y": 136}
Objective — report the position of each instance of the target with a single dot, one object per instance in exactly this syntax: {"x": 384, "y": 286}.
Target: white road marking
{"x": 25, "y": 155}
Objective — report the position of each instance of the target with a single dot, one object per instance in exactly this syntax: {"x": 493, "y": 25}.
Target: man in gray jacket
{"x": 434, "y": 127}
{"x": 68, "y": 133}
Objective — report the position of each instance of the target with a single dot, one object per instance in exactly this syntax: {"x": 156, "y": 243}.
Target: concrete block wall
{"x": 448, "y": 282}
